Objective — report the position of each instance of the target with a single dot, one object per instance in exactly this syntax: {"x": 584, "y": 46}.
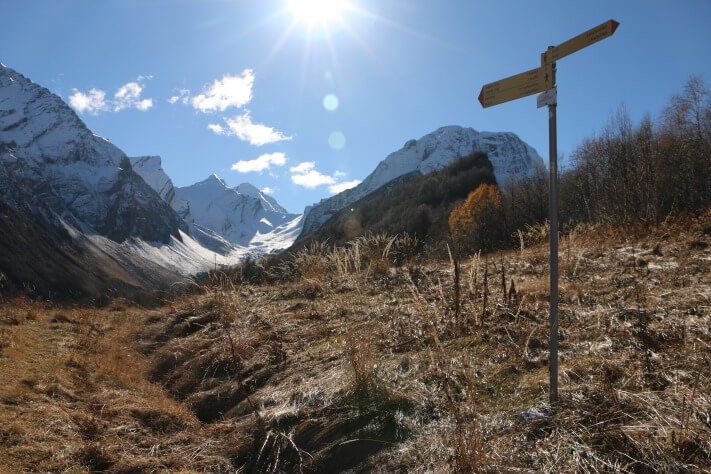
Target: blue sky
{"x": 257, "y": 73}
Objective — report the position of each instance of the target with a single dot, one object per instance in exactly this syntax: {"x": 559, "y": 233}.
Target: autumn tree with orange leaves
{"x": 471, "y": 221}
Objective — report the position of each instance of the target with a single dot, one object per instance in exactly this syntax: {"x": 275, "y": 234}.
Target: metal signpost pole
{"x": 542, "y": 80}
{"x": 553, "y": 215}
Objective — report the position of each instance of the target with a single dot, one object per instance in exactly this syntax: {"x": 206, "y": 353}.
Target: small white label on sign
{"x": 548, "y": 97}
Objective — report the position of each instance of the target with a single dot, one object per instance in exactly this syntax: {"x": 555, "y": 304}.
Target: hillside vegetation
{"x": 415, "y": 204}
{"x": 627, "y": 174}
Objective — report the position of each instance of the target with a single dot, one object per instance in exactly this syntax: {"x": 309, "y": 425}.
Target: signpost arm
{"x": 553, "y": 211}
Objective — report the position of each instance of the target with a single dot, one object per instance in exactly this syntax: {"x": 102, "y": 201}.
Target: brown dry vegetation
{"x": 371, "y": 367}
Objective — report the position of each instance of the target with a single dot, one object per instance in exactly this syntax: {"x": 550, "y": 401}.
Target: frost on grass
{"x": 360, "y": 358}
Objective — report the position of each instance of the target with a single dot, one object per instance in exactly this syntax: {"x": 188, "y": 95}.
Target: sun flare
{"x": 316, "y": 11}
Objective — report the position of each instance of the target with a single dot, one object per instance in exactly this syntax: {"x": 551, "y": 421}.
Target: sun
{"x": 317, "y": 11}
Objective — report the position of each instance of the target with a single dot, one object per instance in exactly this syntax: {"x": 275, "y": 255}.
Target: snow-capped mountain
{"x": 225, "y": 220}
{"x": 52, "y": 163}
{"x": 268, "y": 202}
{"x": 511, "y": 157}
{"x": 241, "y": 215}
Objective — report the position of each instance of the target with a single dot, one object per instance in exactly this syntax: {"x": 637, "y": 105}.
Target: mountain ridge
{"x": 237, "y": 216}
{"x": 510, "y": 156}
{"x": 81, "y": 177}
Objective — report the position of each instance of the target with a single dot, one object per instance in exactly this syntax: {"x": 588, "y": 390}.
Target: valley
{"x": 112, "y": 207}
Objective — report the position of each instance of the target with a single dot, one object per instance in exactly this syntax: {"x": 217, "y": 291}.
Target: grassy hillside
{"x": 360, "y": 365}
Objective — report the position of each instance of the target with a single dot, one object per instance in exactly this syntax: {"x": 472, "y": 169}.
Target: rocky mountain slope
{"x": 41, "y": 258}
{"x": 48, "y": 155}
{"x": 149, "y": 168}
{"x": 415, "y": 203}
{"x": 83, "y": 202}
{"x": 511, "y": 157}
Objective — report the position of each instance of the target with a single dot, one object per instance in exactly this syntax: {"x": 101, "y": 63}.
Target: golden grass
{"x": 364, "y": 363}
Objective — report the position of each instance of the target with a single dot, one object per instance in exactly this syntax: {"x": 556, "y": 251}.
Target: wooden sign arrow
{"x": 515, "y": 87}
{"x": 581, "y": 41}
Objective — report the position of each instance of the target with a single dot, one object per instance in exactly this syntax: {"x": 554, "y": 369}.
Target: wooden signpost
{"x": 584, "y": 40}
{"x": 515, "y": 87}
{"x": 542, "y": 79}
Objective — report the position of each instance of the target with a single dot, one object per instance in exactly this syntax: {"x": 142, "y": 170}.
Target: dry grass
{"x": 78, "y": 394}
{"x": 366, "y": 362}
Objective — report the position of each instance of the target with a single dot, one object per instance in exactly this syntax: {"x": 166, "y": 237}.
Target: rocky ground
{"x": 359, "y": 365}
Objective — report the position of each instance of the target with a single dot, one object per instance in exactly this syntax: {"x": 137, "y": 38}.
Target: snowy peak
{"x": 248, "y": 189}
{"x": 208, "y": 187}
{"x": 213, "y": 179}
{"x": 268, "y": 202}
{"x": 212, "y": 184}
{"x": 237, "y": 215}
{"x": 40, "y": 123}
{"x": 51, "y": 162}
{"x": 508, "y": 153}
{"x": 510, "y": 156}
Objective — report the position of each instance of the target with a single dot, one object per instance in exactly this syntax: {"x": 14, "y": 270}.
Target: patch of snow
{"x": 187, "y": 257}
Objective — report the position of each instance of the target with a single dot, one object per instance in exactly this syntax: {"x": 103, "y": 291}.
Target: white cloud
{"x": 183, "y": 96}
{"x": 128, "y": 91}
{"x": 230, "y": 91}
{"x": 93, "y": 102}
{"x": 312, "y": 179}
{"x": 218, "y": 129}
{"x": 263, "y": 162}
{"x": 303, "y": 167}
{"x": 127, "y": 96}
{"x": 267, "y": 190}
{"x": 255, "y": 133}
{"x": 144, "y": 104}
{"x": 305, "y": 174}
{"x": 340, "y": 187}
